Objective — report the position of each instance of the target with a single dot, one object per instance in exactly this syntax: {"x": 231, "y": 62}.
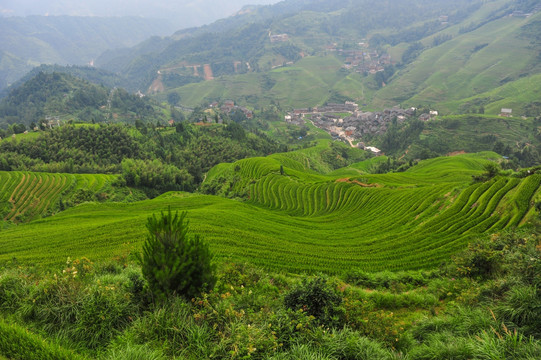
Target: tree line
{"x": 162, "y": 159}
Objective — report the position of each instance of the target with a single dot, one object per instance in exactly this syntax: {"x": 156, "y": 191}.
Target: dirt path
{"x": 208, "y": 72}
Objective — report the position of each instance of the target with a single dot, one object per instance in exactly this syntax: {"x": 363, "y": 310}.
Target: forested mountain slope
{"x": 310, "y": 25}
{"x": 51, "y": 97}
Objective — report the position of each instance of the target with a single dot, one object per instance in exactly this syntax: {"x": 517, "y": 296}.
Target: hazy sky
{"x": 184, "y": 12}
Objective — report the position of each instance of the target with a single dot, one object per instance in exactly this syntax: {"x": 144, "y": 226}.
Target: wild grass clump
{"x": 16, "y": 342}
{"x": 13, "y": 288}
{"x": 396, "y": 281}
{"x": 79, "y": 305}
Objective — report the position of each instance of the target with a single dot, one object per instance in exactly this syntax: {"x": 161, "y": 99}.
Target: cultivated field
{"x": 303, "y": 221}
{"x": 28, "y": 195}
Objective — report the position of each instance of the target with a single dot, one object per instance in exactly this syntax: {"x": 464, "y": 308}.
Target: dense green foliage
{"x": 462, "y": 310}
{"x": 316, "y": 298}
{"x": 172, "y": 262}
{"x": 162, "y": 158}
{"x": 62, "y": 97}
{"x": 155, "y": 175}
{"x": 517, "y": 139}
{"x": 91, "y": 74}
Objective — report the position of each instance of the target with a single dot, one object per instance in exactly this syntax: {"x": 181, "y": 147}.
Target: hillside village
{"x": 348, "y": 123}
{"x": 363, "y": 60}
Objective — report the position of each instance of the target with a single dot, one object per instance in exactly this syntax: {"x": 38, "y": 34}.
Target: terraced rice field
{"x": 303, "y": 221}
{"x": 28, "y": 195}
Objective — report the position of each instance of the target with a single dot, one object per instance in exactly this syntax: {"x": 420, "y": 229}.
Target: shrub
{"x": 173, "y": 263}
{"x": 317, "y": 299}
{"x": 103, "y": 313}
{"x": 12, "y": 290}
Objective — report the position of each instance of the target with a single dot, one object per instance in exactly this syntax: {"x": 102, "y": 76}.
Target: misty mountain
{"x": 310, "y": 25}
{"x": 183, "y": 14}
{"x": 31, "y": 41}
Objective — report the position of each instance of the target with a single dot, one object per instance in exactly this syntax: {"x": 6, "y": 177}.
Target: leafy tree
{"x": 156, "y": 175}
{"x": 176, "y": 115}
{"x": 172, "y": 262}
{"x": 318, "y": 299}
{"x": 235, "y": 131}
{"x": 173, "y": 98}
{"x": 492, "y": 169}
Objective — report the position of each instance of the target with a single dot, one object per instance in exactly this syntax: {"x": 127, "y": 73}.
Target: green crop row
{"x": 27, "y": 195}
{"x": 298, "y": 222}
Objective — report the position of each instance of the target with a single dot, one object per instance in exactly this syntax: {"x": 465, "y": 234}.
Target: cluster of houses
{"x": 362, "y": 60}
{"x": 358, "y": 125}
{"x": 278, "y": 38}
{"x": 229, "y": 106}
{"x": 505, "y": 112}
{"x": 50, "y": 122}
{"x": 366, "y": 61}
{"x": 444, "y": 19}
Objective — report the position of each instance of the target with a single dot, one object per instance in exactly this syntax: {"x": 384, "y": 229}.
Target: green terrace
{"x": 296, "y": 219}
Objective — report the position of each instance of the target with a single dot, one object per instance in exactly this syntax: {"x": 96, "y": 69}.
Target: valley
{"x": 312, "y": 179}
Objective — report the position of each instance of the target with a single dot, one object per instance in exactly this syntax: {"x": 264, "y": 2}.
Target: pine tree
{"x": 172, "y": 262}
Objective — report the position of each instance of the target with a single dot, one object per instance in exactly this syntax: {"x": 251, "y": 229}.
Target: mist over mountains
{"x": 185, "y": 13}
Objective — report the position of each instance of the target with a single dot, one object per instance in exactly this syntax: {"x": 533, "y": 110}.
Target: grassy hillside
{"x": 515, "y": 95}
{"x": 304, "y": 221}
{"x": 487, "y": 63}
{"x": 311, "y": 81}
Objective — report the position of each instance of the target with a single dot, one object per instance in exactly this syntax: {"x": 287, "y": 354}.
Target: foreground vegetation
{"x": 484, "y": 304}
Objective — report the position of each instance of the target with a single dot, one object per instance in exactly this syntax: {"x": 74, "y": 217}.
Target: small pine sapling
{"x": 172, "y": 262}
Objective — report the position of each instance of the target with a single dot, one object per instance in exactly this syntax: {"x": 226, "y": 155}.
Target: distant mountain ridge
{"x": 310, "y": 25}
{"x": 64, "y": 40}
{"x": 185, "y": 13}
{"x": 459, "y": 57}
